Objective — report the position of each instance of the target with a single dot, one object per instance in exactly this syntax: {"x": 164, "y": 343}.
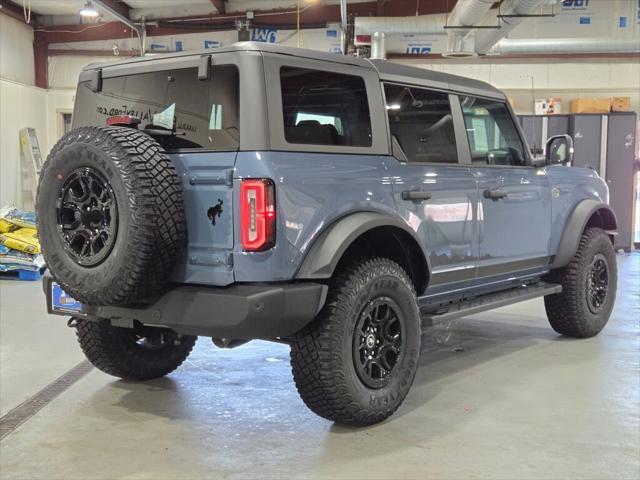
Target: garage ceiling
{"x": 166, "y": 8}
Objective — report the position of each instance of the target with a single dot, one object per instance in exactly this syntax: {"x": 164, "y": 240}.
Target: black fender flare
{"x": 575, "y": 225}
{"x": 327, "y": 250}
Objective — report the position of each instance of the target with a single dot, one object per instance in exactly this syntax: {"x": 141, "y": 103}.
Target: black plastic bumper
{"x": 242, "y": 311}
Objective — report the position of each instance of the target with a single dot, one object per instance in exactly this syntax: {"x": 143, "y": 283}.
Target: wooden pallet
{"x": 24, "y": 275}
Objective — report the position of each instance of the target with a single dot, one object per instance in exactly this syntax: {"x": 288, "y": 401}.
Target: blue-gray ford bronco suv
{"x": 328, "y": 202}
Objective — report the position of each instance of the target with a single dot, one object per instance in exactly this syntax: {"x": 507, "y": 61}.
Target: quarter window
{"x": 324, "y": 108}
{"x": 421, "y": 124}
{"x": 492, "y": 133}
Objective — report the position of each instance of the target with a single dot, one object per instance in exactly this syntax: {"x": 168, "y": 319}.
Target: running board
{"x": 491, "y": 301}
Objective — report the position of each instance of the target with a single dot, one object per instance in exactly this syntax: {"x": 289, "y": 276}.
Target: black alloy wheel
{"x": 597, "y": 283}
{"x": 87, "y": 214}
{"x": 377, "y": 343}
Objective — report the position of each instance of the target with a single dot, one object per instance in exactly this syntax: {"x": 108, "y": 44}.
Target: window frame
{"x": 463, "y": 155}
{"x": 272, "y": 65}
{"x": 518, "y": 128}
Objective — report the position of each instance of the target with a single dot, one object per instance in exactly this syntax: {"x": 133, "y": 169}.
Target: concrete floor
{"x": 498, "y": 395}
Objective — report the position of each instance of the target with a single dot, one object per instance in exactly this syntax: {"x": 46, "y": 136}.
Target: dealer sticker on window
{"x": 61, "y": 301}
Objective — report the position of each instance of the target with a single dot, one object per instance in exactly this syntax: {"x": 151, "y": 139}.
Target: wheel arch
{"x": 588, "y": 213}
{"x": 367, "y": 232}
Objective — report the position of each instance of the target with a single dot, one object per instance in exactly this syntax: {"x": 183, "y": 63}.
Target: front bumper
{"x": 241, "y": 311}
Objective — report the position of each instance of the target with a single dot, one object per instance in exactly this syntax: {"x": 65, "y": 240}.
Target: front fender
{"x": 330, "y": 246}
{"x": 575, "y": 225}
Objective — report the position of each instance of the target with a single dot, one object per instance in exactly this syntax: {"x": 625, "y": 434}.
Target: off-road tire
{"x": 114, "y": 351}
{"x": 322, "y": 358}
{"x": 150, "y": 224}
{"x": 569, "y": 312}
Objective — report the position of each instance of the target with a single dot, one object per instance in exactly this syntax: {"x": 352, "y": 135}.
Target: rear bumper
{"x": 241, "y": 311}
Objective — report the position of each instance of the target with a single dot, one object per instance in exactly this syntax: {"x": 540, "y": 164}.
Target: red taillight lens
{"x": 257, "y": 214}
{"x": 123, "y": 120}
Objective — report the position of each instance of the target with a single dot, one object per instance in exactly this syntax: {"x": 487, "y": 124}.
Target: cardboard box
{"x": 591, "y": 105}
{"x": 621, "y": 104}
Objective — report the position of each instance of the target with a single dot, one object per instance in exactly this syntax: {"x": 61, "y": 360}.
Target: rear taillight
{"x": 257, "y": 214}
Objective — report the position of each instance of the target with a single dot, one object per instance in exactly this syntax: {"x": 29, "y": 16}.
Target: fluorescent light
{"x": 393, "y": 106}
{"x": 88, "y": 11}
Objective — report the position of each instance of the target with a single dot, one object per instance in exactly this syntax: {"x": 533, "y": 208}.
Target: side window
{"x": 421, "y": 124}
{"x": 324, "y": 108}
{"x": 492, "y": 133}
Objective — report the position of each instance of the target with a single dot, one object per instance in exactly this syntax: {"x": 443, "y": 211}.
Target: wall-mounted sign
{"x": 265, "y": 35}
{"x": 575, "y": 4}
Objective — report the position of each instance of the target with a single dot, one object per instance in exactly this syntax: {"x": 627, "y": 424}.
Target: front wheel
{"x": 356, "y": 362}
{"x": 589, "y": 285}
{"x": 141, "y": 353}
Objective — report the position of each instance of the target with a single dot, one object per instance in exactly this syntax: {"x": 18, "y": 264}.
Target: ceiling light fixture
{"x": 88, "y": 11}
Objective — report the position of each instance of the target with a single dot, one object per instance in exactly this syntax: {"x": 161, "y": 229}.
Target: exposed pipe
{"x": 140, "y": 30}
{"x": 343, "y": 25}
{"x": 486, "y": 39}
{"x": 466, "y": 13}
{"x": 379, "y": 45}
{"x": 564, "y": 45}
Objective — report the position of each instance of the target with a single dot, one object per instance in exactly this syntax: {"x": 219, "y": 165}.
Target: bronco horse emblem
{"x": 215, "y": 211}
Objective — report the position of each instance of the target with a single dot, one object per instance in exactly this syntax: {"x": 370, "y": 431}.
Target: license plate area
{"x": 61, "y": 302}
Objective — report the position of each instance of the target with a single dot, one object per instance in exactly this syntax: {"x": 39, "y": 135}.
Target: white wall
{"x": 16, "y": 51}
{"x": 22, "y": 106}
{"x": 543, "y": 78}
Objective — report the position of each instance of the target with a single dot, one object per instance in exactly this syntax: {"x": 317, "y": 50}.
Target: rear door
{"x": 514, "y": 217}
{"x": 434, "y": 193}
{"x": 203, "y": 146}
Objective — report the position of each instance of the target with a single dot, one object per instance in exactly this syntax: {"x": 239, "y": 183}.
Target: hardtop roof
{"x": 386, "y": 69}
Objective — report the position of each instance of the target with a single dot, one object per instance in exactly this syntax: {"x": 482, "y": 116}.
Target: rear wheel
{"x": 589, "y": 285}
{"x": 356, "y": 362}
{"x": 141, "y": 353}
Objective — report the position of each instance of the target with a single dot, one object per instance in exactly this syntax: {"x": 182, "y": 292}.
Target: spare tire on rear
{"x": 110, "y": 215}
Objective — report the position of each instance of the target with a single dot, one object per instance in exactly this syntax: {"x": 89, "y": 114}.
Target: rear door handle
{"x": 494, "y": 193}
{"x": 416, "y": 195}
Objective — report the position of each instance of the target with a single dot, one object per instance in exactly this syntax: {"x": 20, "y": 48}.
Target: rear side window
{"x": 324, "y": 108}
{"x": 206, "y": 112}
{"x": 421, "y": 124}
{"x": 492, "y": 133}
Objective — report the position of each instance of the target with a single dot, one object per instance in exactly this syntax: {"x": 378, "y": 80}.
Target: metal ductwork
{"x": 564, "y": 45}
{"x": 423, "y": 24}
{"x": 466, "y": 13}
{"x": 509, "y": 10}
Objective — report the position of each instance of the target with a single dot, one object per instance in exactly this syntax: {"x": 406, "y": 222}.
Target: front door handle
{"x": 494, "y": 193}
{"x": 416, "y": 195}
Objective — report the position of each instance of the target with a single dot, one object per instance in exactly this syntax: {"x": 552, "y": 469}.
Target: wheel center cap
{"x": 370, "y": 340}
{"x": 92, "y": 217}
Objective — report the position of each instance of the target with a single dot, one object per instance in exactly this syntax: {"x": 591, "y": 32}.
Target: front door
{"x": 434, "y": 193}
{"x": 514, "y": 216}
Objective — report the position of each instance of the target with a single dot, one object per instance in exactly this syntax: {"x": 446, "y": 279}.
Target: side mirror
{"x": 559, "y": 150}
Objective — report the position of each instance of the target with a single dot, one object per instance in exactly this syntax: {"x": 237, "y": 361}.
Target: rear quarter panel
{"x": 313, "y": 190}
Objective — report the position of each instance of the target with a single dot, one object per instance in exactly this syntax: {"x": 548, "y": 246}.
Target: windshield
{"x": 205, "y": 112}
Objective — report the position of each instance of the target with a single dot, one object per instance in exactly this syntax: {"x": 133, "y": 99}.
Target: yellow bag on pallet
{"x": 23, "y": 239}
{"x": 6, "y": 227}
